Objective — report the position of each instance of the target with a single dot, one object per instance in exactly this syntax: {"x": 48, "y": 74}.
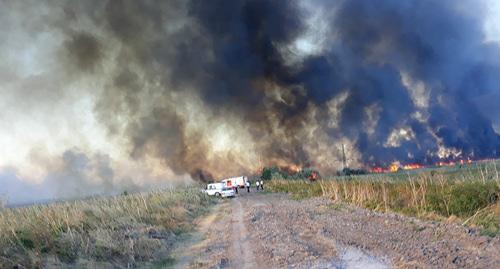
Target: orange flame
{"x": 295, "y": 168}
{"x": 394, "y": 167}
{"x": 450, "y": 163}
{"x": 377, "y": 170}
{"x": 412, "y": 166}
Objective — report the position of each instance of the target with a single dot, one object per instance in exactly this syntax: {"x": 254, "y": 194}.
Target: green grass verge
{"x": 474, "y": 201}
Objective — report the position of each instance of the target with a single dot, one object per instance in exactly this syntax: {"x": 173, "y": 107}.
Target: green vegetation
{"x": 298, "y": 189}
{"x": 469, "y": 194}
{"x": 122, "y": 231}
{"x": 269, "y": 173}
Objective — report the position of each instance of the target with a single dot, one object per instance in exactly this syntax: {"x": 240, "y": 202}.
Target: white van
{"x": 235, "y": 182}
{"x": 219, "y": 189}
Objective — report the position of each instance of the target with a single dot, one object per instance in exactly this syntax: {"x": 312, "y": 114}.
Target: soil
{"x": 264, "y": 230}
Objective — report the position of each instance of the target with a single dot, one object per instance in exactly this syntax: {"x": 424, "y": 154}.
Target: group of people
{"x": 259, "y": 184}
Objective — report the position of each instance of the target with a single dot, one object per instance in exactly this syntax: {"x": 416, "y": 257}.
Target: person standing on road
{"x": 262, "y": 184}
{"x": 257, "y": 183}
{"x": 236, "y": 189}
{"x": 248, "y": 185}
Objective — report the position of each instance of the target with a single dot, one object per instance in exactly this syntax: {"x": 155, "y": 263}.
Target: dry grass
{"x": 121, "y": 231}
{"x": 469, "y": 194}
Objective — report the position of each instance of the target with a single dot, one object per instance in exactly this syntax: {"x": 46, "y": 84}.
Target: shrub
{"x": 26, "y": 238}
{"x": 269, "y": 173}
{"x": 463, "y": 199}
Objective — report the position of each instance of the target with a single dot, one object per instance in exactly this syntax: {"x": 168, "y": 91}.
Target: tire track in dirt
{"x": 222, "y": 239}
{"x": 206, "y": 247}
{"x": 186, "y": 250}
{"x": 318, "y": 233}
{"x": 241, "y": 249}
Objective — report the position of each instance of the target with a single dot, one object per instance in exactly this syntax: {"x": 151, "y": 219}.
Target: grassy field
{"x": 127, "y": 231}
{"x": 139, "y": 230}
{"x": 469, "y": 194}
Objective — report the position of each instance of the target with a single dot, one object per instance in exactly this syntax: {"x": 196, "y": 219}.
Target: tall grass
{"x": 120, "y": 231}
{"x": 469, "y": 194}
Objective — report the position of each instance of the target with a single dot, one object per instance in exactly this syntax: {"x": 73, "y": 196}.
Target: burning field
{"x": 440, "y": 217}
{"x": 103, "y": 96}
{"x": 396, "y": 166}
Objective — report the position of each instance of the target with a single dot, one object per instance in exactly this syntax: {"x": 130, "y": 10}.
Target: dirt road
{"x": 260, "y": 230}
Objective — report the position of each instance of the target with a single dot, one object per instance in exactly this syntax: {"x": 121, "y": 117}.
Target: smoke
{"x": 206, "y": 89}
{"x": 79, "y": 174}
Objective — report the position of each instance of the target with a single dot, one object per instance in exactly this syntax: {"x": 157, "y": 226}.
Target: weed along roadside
{"x": 249, "y": 134}
{"x": 126, "y": 231}
{"x": 470, "y": 201}
{"x": 321, "y": 223}
{"x": 319, "y": 220}
{"x": 268, "y": 229}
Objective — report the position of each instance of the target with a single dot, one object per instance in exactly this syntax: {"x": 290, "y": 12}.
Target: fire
{"x": 291, "y": 168}
{"x": 377, "y": 170}
{"x": 412, "y": 166}
{"x": 450, "y": 163}
{"x": 295, "y": 168}
{"x": 313, "y": 176}
{"x": 453, "y": 163}
{"x": 394, "y": 167}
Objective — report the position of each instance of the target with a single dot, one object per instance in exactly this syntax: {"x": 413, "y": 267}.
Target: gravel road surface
{"x": 264, "y": 230}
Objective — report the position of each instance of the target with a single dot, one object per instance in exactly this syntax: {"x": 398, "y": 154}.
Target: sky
{"x": 58, "y": 139}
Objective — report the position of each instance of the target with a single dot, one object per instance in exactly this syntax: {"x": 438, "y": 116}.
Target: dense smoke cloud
{"x": 217, "y": 88}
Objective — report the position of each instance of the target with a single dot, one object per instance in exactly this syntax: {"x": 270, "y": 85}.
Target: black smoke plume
{"x": 390, "y": 80}
{"x": 232, "y": 55}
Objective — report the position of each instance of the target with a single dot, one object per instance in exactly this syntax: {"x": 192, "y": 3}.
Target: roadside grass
{"x": 469, "y": 195}
{"x": 121, "y": 231}
{"x": 298, "y": 189}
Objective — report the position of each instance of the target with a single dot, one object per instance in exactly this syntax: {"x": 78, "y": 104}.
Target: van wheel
{"x": 218, "y": 194}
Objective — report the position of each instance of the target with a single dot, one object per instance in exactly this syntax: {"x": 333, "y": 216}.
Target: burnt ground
{"x": 262, "y": 230}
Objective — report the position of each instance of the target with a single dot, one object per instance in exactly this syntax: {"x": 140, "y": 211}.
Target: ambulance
{"x": 235, "y": 182}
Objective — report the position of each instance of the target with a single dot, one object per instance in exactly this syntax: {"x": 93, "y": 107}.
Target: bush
{"x": 462, "y": 199}
{"x": 66, "y": 249}
{"x": 266, "y": 174}
{"x": 270, "y": 173}
{"x": 26, "y": 238}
